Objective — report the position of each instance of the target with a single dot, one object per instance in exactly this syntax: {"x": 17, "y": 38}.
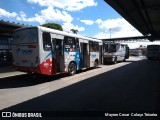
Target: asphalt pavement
{"x": 132, "y": 86}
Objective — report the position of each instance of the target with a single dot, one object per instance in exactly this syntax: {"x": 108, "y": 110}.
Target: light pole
{"x": 110, "y": 32}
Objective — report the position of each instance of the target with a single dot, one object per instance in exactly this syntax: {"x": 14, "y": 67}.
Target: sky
{"x": 93, "y": 18}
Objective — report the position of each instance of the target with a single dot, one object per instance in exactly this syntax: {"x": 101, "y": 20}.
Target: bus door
{"x": 58, "y": 55}
{"x": 127, "y": 52}
{"x": 84, "y": 55}
{"x": 100, "y": 54}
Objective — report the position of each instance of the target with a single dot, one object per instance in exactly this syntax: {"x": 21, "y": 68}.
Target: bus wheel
{"x": 95, "y": 64}
{"x": 115, "y": 60}
{"x": 72, "y": 68}
{"x": 29, "y": 73}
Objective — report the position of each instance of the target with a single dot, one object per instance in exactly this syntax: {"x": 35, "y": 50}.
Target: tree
{"x": 74, "y": 31}
{"x": 53, "y": 26}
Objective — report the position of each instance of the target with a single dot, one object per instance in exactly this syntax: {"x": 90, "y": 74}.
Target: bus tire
{"x": 115, "y": 60}
{"x": 95, "y": 63}
{"x": 29, "y": 73}
{"x": 72, "y": 69}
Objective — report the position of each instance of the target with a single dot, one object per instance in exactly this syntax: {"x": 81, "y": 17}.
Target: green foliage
{"x": 53, "y": 26}
{"x": 74, "y": 31}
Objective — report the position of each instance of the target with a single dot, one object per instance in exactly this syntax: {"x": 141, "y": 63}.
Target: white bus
{"x": 153, "y": 52}
{"x": 114, "y": 52}
{"x": 48, "y": 51}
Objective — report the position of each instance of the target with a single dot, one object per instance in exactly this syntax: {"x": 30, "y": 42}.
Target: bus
{"x": 48, "y": 51}
{"x": 114, "y": 52}
{"x": 153, "y": 52}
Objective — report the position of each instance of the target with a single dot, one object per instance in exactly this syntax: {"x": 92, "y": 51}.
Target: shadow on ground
{"x": 26, "y": 80}
{"x": 132, "y": 88}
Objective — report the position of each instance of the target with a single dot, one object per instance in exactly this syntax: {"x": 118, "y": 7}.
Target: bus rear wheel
{"x": 72, "y": 69}
{"x": 96, "y": 64}
{"x": 115, "y": 60}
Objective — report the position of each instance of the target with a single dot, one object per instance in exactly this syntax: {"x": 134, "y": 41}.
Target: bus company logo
{"x": 93, "y": 55}
{"x": 6, "y": 114}
{"x": 24, "y": 52}
{"x": 27, "y": 52}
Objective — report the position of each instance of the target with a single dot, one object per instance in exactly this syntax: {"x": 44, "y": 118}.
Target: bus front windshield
{"x": 26, "y": 35}
{"x": 112, "y": 48}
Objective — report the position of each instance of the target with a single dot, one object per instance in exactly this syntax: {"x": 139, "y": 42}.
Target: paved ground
{"x": 133, "y": 85}
{"x": 8, "y": 71}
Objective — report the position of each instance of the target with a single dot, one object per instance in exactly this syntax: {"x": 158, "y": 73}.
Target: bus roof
{"x": 62, "y": 33}
{"x": 153, "y": 45}
{"x": 67, "y": 34}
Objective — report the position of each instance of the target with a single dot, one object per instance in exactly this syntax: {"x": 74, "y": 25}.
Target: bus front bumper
{"x": 108, "y": 59}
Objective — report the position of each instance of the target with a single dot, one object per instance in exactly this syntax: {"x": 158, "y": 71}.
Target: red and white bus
{"x": 48, "y": 51}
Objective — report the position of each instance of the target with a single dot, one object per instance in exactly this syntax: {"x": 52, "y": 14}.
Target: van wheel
{"x": 72, "y": 69}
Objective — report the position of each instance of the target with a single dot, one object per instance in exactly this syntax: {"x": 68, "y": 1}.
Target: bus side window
{"x": 77, "y": 43}
{"x": 96, "y": 47}
{"x": 91, "y": 46}
{"x": 70, "y": 44}
{"x": 113, "y": 48}
{"x": 59, "y": 46}
{"x": 46, "y": 41}
{"x": 122, "y": 48}
{"x": 106, "y": 47}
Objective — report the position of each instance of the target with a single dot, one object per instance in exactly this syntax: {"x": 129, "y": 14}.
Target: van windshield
{"x": 26, "y": 35}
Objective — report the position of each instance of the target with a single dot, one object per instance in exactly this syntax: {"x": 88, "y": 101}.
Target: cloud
{"x": 102, "y": 35}
{"x": 4, "y": 13}
{"x": 56, "y": 15}
{"x": 45, "y": 15}
{"x": 87, "y": 22}
{"x": 120, "y": 34}
{"x": 37, "y": 18}
{"x": 69, "y": 5}
{"x": 112, "y": 23}
{"x": 99, "y": 21}
{"x": 68, "y": 26}
{"x": 118, "y": 27}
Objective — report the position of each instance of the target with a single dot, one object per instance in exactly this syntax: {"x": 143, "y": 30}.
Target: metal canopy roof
{"x": 144, "y": 15}
{"x": 7, "y": 28}
{"x": 126, "y": 38}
